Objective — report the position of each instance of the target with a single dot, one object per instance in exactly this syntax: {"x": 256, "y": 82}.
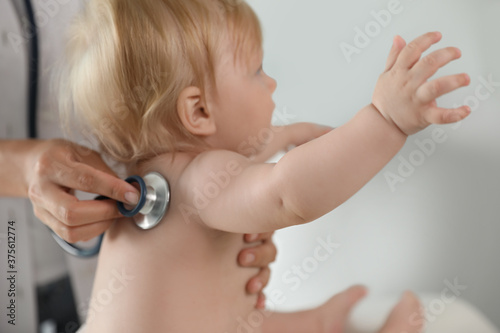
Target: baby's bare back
{"x": 180, "y": 276}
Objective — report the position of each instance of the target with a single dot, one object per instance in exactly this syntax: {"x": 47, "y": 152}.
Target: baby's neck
{"x": 174, "y": 162}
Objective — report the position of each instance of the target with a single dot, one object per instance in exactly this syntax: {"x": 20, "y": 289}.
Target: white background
{"x": 442, "y": 222}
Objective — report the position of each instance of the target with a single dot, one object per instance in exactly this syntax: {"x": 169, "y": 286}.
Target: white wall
{"x": 442, "y": 222}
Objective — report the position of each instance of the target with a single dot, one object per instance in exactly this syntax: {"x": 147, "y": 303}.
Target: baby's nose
{"x": 272, "y": 84}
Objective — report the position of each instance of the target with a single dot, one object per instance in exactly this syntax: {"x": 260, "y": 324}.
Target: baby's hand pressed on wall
{"x": 403, "y": 94}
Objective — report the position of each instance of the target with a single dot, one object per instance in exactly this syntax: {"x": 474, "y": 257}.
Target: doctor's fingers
{"x": 259, "y": 282}
{"x": 267, "y": 236}
{"x": 67, "y": 209}
{"x": 69, "y": 233}
{"x": 261, "y": 301}
{"x": 95, "y": 178}
{"x": 258, "y": 256}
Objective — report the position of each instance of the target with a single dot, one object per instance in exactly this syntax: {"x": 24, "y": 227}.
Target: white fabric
{"x": 458, "y": 316}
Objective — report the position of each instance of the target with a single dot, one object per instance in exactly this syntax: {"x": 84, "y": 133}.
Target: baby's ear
{"x": 193, "y": 112}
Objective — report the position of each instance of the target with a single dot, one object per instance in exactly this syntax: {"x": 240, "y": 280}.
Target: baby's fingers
{"x": 431, "y": 90}
{"x": 430, "y": 64}
{"x": 413, "y": 51}
{"x": 398, "y": 45}
{"x": 438, "y": 115}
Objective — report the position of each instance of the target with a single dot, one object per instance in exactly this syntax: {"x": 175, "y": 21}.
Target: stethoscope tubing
{"x": 77, "y": 251}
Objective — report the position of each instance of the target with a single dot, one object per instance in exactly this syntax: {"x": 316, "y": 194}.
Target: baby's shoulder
{"x": 207, "y": 165}
{"x": 216, "y": 160}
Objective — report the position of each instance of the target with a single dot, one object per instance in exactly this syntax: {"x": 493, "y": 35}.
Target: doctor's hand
{"x": 260, "y": 256}
{"x": 60, "y": 167}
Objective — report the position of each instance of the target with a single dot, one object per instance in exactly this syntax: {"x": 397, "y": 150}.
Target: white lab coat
{"x": 39, "y": 259}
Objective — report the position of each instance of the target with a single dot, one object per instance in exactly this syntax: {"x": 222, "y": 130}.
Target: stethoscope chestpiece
{"x": 153, "y": 203}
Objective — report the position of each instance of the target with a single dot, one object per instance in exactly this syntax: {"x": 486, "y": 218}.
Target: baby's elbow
{"x": 291, "y": 213}
{"x": 288, "y": 207}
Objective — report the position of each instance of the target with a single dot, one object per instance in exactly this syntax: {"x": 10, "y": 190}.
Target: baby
{"x": 177, "y": 87}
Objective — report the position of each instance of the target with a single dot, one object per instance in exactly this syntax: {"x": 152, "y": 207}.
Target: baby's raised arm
{"x": 235, "y": 195}
{"x": 283, "y": 138}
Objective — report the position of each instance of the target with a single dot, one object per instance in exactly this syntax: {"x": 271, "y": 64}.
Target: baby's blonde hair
{"x": 129, "y": 60}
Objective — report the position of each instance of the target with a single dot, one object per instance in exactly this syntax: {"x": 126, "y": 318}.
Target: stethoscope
{"x": 154, "y": 196}
{"x": 154, "y": 200}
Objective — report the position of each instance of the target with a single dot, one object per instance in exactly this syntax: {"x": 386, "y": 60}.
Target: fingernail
{"x": 249, "y": 258}
{"x": 131, "y": 198}
{"x": 257, "y": 286}
{"x": 252, "y": 237}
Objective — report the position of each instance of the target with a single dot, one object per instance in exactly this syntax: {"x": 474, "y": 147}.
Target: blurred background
{"x": 431, "y": 218}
